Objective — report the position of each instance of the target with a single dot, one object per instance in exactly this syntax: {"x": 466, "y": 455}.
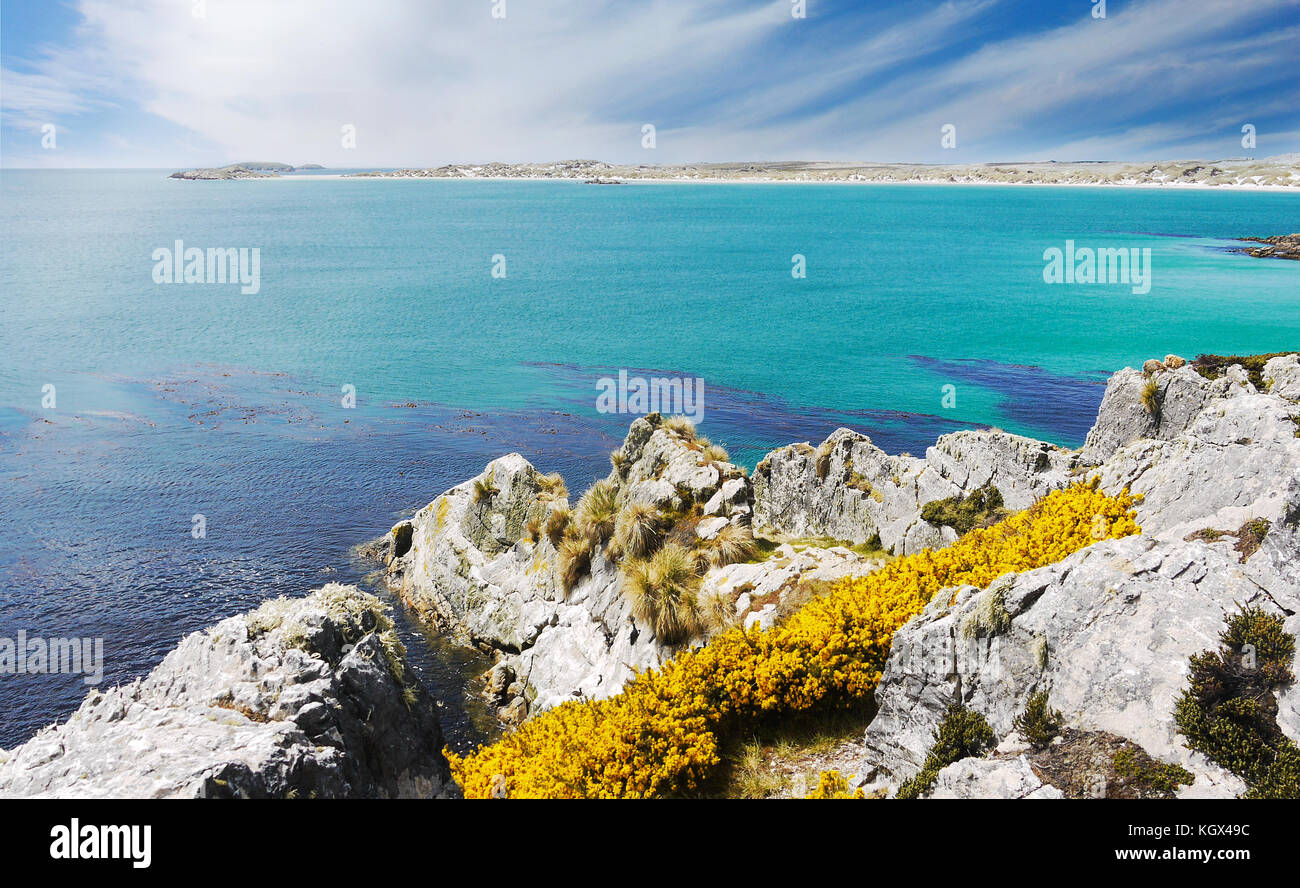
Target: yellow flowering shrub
{"x": 833, "y": 785}
{"x": 660, "y": 735}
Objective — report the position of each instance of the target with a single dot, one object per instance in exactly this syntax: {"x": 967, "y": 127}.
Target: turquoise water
{"x": 175, "y": 399}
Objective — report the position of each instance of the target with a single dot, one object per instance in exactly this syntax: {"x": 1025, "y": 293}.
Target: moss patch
{"x": 1214, "y": 366}
{"x": 982, "y": 507}
{"x": 1097, "y": 764}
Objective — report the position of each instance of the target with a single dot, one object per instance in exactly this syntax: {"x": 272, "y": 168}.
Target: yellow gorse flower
{"x": 660, "y": 734}
{"x": 833, "y": 785}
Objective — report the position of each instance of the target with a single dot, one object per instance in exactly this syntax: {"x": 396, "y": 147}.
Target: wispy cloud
{"x": 721, "y": 79}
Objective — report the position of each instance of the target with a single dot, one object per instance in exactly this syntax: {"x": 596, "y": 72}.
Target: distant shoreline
{"x": 1176, "y": 186}
{"x": 1278, "y": 173}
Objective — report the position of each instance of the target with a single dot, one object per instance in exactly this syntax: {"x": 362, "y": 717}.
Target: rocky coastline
{"x": 1282, "y": 246}
{"x": 308, "y": 697}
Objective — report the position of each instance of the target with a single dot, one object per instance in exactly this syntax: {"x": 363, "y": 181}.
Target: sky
{"x": 184, "y": 83}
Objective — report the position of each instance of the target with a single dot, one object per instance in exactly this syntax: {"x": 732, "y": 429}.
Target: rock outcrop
{"x": 1281, "y": 246}
{"x": 1108, "y": 631}
{"x": 974, "y": 778}
{"x": 299, "y": 699}
{"x": 849, "y": 489}
{"x": 469, "y": 563}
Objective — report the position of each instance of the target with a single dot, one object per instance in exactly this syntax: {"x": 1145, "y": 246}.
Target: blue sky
{"x": 177, "y": 83}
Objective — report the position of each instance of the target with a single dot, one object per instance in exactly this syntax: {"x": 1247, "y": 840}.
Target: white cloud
{"x": 428, "y": 83}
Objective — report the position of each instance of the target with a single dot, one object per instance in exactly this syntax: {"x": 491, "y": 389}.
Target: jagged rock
{"x": 709, "y": 527}
{"x": 1224, "y": 454}
{"x": 1173, "y": 362}
{"x": 781, "y": 576}
{"x": 976, "y": 778}
{"x": 300, "y": 698}
{"x": 1182, "y": 397}
{"x": 849, "y": 489}
{"x": 1282, "y": 374}
{"x": 732, "y": 493}
{"x": 1108, "y": 631}
{"x": 764, "y": 618}
{"x": 470, "y": 569}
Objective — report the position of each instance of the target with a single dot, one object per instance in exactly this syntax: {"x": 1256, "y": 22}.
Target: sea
{"x": 401, "y": 333}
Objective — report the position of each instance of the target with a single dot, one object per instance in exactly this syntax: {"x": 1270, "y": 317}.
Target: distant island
{"x": 249, "y": 169}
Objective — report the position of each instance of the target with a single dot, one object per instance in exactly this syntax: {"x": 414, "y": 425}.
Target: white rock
{"x": 709, "y": 527}
{"x": 976, "y": 778}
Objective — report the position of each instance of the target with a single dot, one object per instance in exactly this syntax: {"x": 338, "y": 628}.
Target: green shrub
{"x": 1039, "y": 723}
{"x": 1229, "y": 711}
{"x": 962, "y": 733}
{"x": 1132, "y": 766}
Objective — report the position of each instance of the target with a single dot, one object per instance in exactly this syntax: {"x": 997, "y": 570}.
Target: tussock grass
{"x": 597, "y": 512}
{"x": 638, "y": 530}
{"x": 664, "y": 591}
{"x": 556, "y": 523}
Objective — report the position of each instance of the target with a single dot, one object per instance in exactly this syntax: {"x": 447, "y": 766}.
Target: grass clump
{"x": 733, "y": 543}
{"x": 1229, "y": 711}
{"x": 597, "y": 512}
{"x": 1151, "y": 397}
{"x": 551, "y": 487}
{"x": 575, "y": 551}
{"x": 981, "y": 507}
{"x": 962, "y": 733}
{"x": 680, "y": 426}
{"x": 1039, "y": 724}
{"x": 556, "y": 523}
{"x": 716, "y": 453}
{"x": 664, "y": 590}
{"x": 638, "y": 530}
{"x": 752, "y": 777}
